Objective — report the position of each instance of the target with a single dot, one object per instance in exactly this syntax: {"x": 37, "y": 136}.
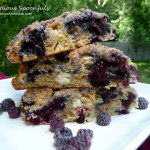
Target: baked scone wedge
{"x": 66, "y": 32}
{"x": 79, "y": 105}
{"x": 90, "y": 66}
{"x": 72, "y": 105}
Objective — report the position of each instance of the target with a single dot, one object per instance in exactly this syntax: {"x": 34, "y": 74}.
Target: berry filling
{"x": 31, "y": 64}
{"x": 48, "y": 62}
{"x": 136, "y": 76}
{"x": 27, "y": 103}
{"x": 103, "y": 71}
{"x": 35, "y": 120}
{"x": 129, "y": 101}
{"x": 32, "y": 75}
{"x": 81, "y": 114}
{"x": 62, "y": 57}
{"x": 97, "y": 27}
{"x": 35, "y": 44}
{"x": 120, "y": 112}
{"x": 44, "y": 114}
{"x": 108, "y": 95}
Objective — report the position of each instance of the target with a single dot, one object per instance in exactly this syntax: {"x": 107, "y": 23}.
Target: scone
{"x": 90, "y": 66}
{"x": 115, "y": 99}
{"x": 77, "y": 104}
{"x": 66, "y": 32}
{"x": 72, "y": 105}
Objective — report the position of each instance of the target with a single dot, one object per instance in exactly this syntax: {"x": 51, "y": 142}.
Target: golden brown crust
{"x": 17, "y": 86}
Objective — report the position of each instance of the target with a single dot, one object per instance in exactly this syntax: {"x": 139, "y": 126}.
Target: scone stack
{"x": 69, "y": 74}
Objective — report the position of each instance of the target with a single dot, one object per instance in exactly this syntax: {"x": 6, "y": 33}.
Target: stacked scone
{"x": 68, "y": 73}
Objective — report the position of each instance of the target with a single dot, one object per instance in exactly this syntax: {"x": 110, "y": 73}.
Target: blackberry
{"x": 103, "y": 119}
{"x": 63, "y": 136}
{"x": 55, "y": 123}
{"x": 79, "y": 143}
{"x": 14, "y": 112}
{"x": 85, "y": 132}
{"x": 142, "y": 103}
{"x": 1, "y": 109}
{"x": 7, "y": 103}
{"x": 66, "y": 147}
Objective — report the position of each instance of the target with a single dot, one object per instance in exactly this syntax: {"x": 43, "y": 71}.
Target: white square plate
{"x": 124, "y": 132}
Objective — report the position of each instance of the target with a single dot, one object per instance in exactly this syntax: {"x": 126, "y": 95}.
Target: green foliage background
{"x": 130, "y": 20}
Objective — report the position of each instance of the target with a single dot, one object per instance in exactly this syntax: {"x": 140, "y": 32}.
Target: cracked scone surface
{"x": 90, "y": 66}
{"x": 65, "y": 32}
{"x": 72, "y": 105}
